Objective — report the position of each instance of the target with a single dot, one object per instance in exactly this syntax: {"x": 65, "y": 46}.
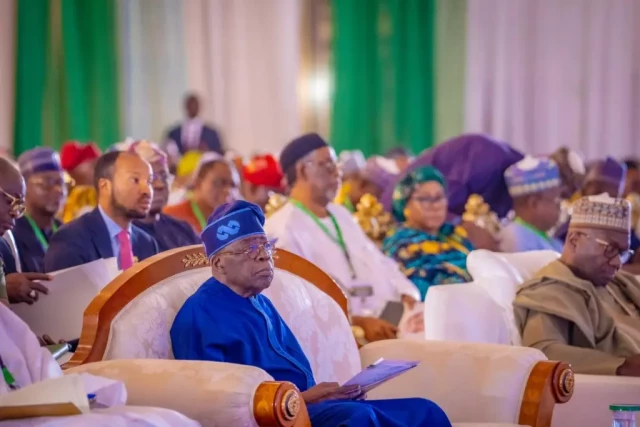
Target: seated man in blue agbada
{"x": 228, "y": 320}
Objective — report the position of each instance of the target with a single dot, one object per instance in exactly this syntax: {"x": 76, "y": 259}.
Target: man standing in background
{"x": 193, "y": 133}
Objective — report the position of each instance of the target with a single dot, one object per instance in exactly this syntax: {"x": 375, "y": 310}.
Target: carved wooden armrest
{"x": 549, "y": 383}
{"x": 280, "y": 404}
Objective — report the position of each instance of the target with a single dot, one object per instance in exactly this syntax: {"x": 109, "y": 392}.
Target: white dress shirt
{"x": 191, "y": 133}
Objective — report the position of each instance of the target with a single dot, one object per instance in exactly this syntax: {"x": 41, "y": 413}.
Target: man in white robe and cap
{"x": 23, "y": 363}
{"x": 326, "y": 234}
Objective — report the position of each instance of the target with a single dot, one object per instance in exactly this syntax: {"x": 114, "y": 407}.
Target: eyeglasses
{"x": 611, "y": 251}
{"x": 163, "y": 177}
{"x": 429, "y": 200}
{"x": 16, "y": 204}
{"x": 328, "y": 166}
{"x": 254, "y": 250}
{"x": 49, "y": 183}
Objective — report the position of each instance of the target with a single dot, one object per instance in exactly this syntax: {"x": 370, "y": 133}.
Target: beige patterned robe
{"x": 572, "y": 320}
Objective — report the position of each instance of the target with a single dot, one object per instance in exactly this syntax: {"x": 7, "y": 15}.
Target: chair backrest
{"x": 464, "y": 313}
{"x": 131, "y": 318}
{"x": 475, "y": 319}
{"x": 510, "y": 270}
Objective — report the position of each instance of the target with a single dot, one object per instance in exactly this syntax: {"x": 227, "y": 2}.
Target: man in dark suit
{"x": 21, "y": 287}
{"x": 123, "y": 183}
{"x": 193, "y": 133}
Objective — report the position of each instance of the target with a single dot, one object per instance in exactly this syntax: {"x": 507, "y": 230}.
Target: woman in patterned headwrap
{"x": 430, "y": 250}
{"x": 78, "y": 160}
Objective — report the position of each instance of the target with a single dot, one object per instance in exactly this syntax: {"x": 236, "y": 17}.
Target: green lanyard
{"x": 198, "y": 213}
{"x": 531, "y": 228}
{"x": 36, "y": 230}
{"x": 347, "y": 204}
{"x": 8, "y": 378}
{"x": 338, "y": 239}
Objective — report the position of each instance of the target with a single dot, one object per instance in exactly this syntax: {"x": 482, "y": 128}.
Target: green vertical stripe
{"x": 67, "y": 73}
{"x": 383, "y": 73}
{"x": 32, "y": 35}
{"x": 450, "y": 60}
{"x": 354, "y": 61}
{"x": 90, "y": 77}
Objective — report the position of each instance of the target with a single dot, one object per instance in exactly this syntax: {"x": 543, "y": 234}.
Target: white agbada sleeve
{"x": 29, "y": 363}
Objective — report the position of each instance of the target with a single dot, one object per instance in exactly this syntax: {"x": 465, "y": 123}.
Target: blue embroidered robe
{"x": 217, "y": 324}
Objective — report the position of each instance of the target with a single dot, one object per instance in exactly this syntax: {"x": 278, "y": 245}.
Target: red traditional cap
{"x": 263, "y": 170}
{"x": 74, "y": 153}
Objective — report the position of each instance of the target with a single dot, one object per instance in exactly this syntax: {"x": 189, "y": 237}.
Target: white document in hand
{"x": 64, "y": 389}
{"x": 59, "y": 313}
{"x": 379, "y": 372}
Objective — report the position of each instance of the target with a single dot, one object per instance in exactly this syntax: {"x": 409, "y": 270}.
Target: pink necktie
{"x": 125, "y": 258}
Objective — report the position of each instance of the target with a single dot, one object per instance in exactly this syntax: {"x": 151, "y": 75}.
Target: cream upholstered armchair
{"x": 493, "y": 385}
{"x": 482, "y": 312}
{"x": 125, "y": 336}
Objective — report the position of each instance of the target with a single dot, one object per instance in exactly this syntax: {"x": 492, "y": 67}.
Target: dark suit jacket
{"x": 86, "y": 239}
{"x": 209, "y": 136}
{"x": 29, "y": 247}
{"x": 7, "y": 257}
{"x": 170, "y": 232}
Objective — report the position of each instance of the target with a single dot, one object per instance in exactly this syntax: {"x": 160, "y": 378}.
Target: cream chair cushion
{"x": 192, "y": 388}
{"x": 466, "y": 313}
{"x": 473, "y": 383}
{"x": 141, "y": 330}
{"x": 319, "y": 324}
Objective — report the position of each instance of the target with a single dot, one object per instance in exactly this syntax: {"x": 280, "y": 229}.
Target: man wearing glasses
{"x": 21, "y": 287}
{"x": 228, "y": 319}
{"x": 46, "y": 193}
{"x": 583, "y": 309}
{"x": 313, "y": 227}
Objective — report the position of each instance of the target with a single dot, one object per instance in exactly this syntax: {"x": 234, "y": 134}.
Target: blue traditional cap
{"x": 532, "y": 175}
{"x": 39, "y": 159}
{"x": 230, "y": 222}
{"x": 603, "y": 212}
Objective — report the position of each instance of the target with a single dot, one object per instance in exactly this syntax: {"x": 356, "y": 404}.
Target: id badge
{"x": 360, "y": 299}
{"x": 360, "y": 290}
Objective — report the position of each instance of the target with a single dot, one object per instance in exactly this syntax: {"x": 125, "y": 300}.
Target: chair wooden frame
{"x": 279, "y": 403}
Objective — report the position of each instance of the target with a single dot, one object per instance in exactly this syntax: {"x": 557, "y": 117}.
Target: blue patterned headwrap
{"x": 405, "y": 188}
{"x": 231, "y": 222}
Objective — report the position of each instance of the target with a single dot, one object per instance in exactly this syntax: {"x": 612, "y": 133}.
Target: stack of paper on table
{"x": 59, "y": 313}
{"x": 65, "y": 395}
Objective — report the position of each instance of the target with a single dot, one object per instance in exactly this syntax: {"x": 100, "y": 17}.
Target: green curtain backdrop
{"x": 450, "y": 60}
{"x": 32, "y": 35}
{"x": 67, "y": 73}
{"x": 384, "y": 70}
